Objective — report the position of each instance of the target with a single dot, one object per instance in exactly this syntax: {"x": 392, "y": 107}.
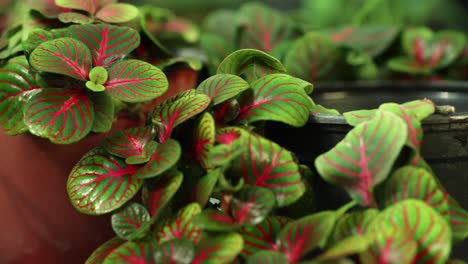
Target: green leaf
{"x": 148, "y": 151}
{"x": 458, "y": 220}
{"x": 135, "y": 81}
{"x": 205, "y": 186}
{"x": 312, "y": 57}
{"x": 99, "y": 254}
{"x": 216, "y": 49}
{"x": 418, "y": 220}
{"x": 321, "y": 110}
{"x": 266, "y": 164}
{"x": 267, "y": 257}
{"x": 262, "y": 236}
{"x": 177, "y": 110}
{"x": 353, "y": 224}
{"x": 353, "y": 118}
{"x": 181, "y": 225}
{"x": 344, "y": 248}
{"x": 65, "y": 56}
{"x": 218, "y": 249}
{"x": 411, "y": 182}
{"x": 131, "y": 252}
{"x": 48, "y": 8}
{"x": 75, "y": 17}
{"x": 62, "y": 115}
{"x": 157, "y": 195}
{"x": 251, "y": 205}
{"x": 420, "y": 109}
{"x": 213, "y": 220}
{"x": 95, "y": 87}
{"x": 117, "y": 13}
{"x": 175, "y": 251}
{"x": 262, "y": 28}
{"x": 84, "y": 5}
{"x": 299, "y": 237}
{"x": 104, "y": 112}
{"x": 277, "y": 97}
{"x": 129, "y": 142}
{"x": 204, "y": 139}
{"x": 164, "y": 158}
{"x": 220, "y": 23}
{"x": 232, "y": 142}
{"x": 17, "y": 85}
{"x": 222, "y": 87}
{"x": 364, "y": 157}
{"x": 107, "y": 43}
{"x": 100, "y": 183}
{"x": 98, "y": 75}
{"x": 250, "y": 61}
{"x": 131, "y": 222}
{"x": 38, "y": 36}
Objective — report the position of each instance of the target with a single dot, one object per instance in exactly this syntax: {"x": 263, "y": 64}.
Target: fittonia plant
{"x": 211, "y": 188}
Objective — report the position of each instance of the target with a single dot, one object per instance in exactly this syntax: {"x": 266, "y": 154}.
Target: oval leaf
{"x": 266, "y": 164}
{"x": 175, "y": 251}
{"x": 353, "y": 224}
{"x": 98, "y": 256}
{"x": 251, "y": 205}
{"x": 165, "y": 157}
{"x": 100, "y": 183}
{"x": 117, "y": 13}
{"x": 129, "y": 142}
{"x": 218, "y": 249}
{"x": 75, "y": 17}
{"x": 277, "y": 97}
{"x": 107, "y": 43}
{"x": 157, "y": 195}
{"x": 104, "y": 112}
{"x": 131, "y": 222}
{"x": 365, "y": 156}
{"x": 65, "y": 56}
{"x": 61, "y": 115}
{"x": 135, "y": 81}
{"x": 415, "y": 218}
{"x": 38, "y": 36}
{"x": 204, "y": 139}
{"x": 222, "y": 87}
{"x": 177, "y": 110}
{"x": 132, "y": 252}
{"x": 205, "y": 186}
{"x": 17, "y": 85}
{"x": 181, "y": 225}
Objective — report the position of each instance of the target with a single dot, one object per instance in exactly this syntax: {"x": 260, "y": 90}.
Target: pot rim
{"x": 457, "y": 117}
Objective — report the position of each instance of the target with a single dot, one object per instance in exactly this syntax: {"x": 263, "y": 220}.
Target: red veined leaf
{"x": 100, "y": 183}
{"x": 156, "y": 196}
{"x": 354, "y": 118}
{"x": 267, "y": 257}
{"x": 135, "y": 81}
{"x": 175, "y": 251}
{"x": 344, "y": 248}
{"x": 262, "y": 28}
{"x": 262, "y": 236}
{"x": 204, "y": 187}
{"x": 140, "y": 251}
{"x": 370, "y": 39}
{"x": 65, "y": 56}
{"x": 181, "y": 225}
{"x": 218, "y": 249}
{"x": 104, "y": 112}
{"x": 232, "y": 143}
{"x": 251, "y": 205}
{"x": 176, "y": 29}
{"x": 75, "y": 18}
{"x": 117, "y": 13}
{"x": 312, "y": 57}
{"x": 48, "y": 8}
{"x": 129, "y": 142}
{"x": 216, "y": 49}
{"x": 277, "y": 97}
{"x": 321, "y": 110}
{"x": 410, "y": 182}
{"x": 38, "y": 36}
{"x": 222, "y": 87}
{"x": 266, "y": 164}
{"x": 177, "y": 110}
{"x": 17, "y": 85}
{"x": 107, "y": 43}
{"x": 219, "y": 23}
{"x": 251, "y": 62}
{"x": 98, "y": 256}
{"x": 216, "y": 221}
{"x": 389, "y": 245}
{"x": 365, "y": 156}
{"x": 204, "y": 139}
{"x": 353, "y": 224}
{"x": 422, "y": 223}
{"x": 90, "y": 6}
{"x": 61, "y": 115}
{"x": 226, "y": 112}
{"x": 420, "y": 109}
{"x": 131, "y": 222}
{"x": 458, "y": 220}
{"x": 298, "y": 237}
{"x": 164, "y": 157}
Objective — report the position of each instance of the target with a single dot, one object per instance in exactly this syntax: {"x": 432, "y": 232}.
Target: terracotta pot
{"x": 38, "y": 224}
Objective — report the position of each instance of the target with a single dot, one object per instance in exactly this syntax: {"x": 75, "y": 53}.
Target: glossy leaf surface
{"x": 204, "y": 139}
{"x": 100, "y": 183}
{"x": 129, "y": 142}
{"x": 132, "y": 252}
{"x": 181, "y": 225}
{"x": 131, "y": 222}
{"x": 75, "y": 17}
{"x": 156, "y": 196}
{"x": 175, "y": 251}
{"x": 135, "y": 81}
{"x": 39, "y": 36}
{"x": 353, "y": 224}
{"x": 458, "y": 220}
{"x": 165, "y": 157}
{"x": 222, "y": 87}
{"x": 277, "y": 97}
{"x": 251, "y": 205}
{"x": 65, "y": 56}
{"x": 205, "y": 186}
{"x": 104, "y": 112}
{"x": 61, "y": 115}
{"x": 365, "y": 156}
{"x": 117, "y": 13}
{"x": 218, "y": 249}
{"x": 98, "y": 255}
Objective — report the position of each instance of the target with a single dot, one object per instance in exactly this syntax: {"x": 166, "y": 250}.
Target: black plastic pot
{"x": 445, "y": 145}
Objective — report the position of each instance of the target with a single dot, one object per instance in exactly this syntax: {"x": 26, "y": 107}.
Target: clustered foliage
{"x": 198, "y": 182}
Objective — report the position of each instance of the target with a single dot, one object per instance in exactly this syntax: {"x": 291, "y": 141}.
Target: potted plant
{"x": 70, "y": 82}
